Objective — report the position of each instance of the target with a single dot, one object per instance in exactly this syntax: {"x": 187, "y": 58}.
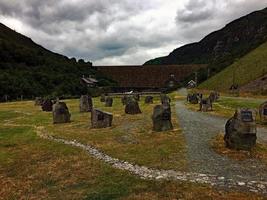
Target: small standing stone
{"x": 149, "y": 100}
{"x": 162, "y": 118}
{"x": 86, "y": 103}
{"x": 100, "y": 119}
{"x": 47, "y": 105}
{"x": 38, "y": 101}
{"x": 205, "y": 105}
{"x": 103, "y": 98}
{"x": 165, "y": 99}
{"x": 109, "y": 102}
{"x": 132, "y": 107}
{"x": 61, "y": 113}
{"x": 214, "y": 96}
{"x": 240, "y": 130}
{"x": 193, "y": 98}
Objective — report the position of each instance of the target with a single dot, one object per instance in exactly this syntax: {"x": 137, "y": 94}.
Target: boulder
{"x": 162, "y": 118}
{"x": 38, "y": 101}
{"x": 165, "y": 99}
{"x": 240, "y": 130}
{"x": 109, "y": 101}
{"x": 205, "y": 105}
{"x": 263, "y": 112}
{"x": 100, "y": 119}
{"x": 47, "y": 105}
{"x": 86, "y": 103}
{"x": 132, "y": 107}
{"x": 149, "y": 99}
{"x": 60, "y": 113}
{"x": 103, "y": 98}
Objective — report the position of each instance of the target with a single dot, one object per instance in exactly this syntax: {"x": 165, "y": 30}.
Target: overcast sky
{"x": 113, "y": 32}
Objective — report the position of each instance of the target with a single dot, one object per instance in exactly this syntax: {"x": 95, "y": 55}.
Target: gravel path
{"x": 199, "y": 129}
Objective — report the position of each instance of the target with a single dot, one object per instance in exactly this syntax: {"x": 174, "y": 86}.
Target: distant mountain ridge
{"x": 28, "y": 69}
{"x": 220, "y": 48}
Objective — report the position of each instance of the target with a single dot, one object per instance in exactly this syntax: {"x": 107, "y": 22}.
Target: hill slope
{"x": 219, "y": 49}
{"x": 243, "y": 71}
{"x": 28, "y": 69}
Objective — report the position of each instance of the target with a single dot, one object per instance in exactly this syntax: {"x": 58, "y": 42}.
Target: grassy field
{"x": 246, "y": 69}
{"x": 34, "y": 168}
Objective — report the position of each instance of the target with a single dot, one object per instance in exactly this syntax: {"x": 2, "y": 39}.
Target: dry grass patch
{"x": 258, "y": 152}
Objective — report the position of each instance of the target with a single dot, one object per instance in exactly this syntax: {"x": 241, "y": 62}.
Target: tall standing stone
{"x": 109, "y": 102}
{"x": 205, "y": 105}
{"x": 132, "y": 107}
{"x": 100, "y": 119}
{"x": 60, "y": 113}
{"x": 47, "y": 105}
{"x": 86, "y": 103}
{"x": 162, "y": 118}
{"x": 240, "y": 130}
{"x": 263, "y": 112}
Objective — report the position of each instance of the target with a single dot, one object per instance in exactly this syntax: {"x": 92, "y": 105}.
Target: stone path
{"x": 156, "y": 174}
{"x": 199, "y": 129}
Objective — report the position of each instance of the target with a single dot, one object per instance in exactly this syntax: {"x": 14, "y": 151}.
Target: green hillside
{"x": 243, "y": 71}
{"x": 28, "y": 69}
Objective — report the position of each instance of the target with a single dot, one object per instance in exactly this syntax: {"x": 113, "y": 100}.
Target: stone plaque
{"x": 246, "y": 116}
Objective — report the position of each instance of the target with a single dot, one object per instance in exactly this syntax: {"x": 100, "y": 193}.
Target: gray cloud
{"x": 120, "y": 31}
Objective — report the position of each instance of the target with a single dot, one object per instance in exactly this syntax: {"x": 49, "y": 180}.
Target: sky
{"x": 120, "y": 32}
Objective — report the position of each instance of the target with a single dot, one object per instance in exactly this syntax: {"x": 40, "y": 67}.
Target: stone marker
{"x": 124, "y": 100}
{"x": 132, "y": 107}
{"x": 149, "y": 99}
{"x": 214, "y": 96}
{"x": 47, "y": 105}
{"x": 165, "y": 99}
{"x": 162, "y": 118}
{"x": 100, "y": 119}
{"x": 136, "y": 97}
{"x": 240, "y": 130}
{"x": 86, "y": 103}
{"x": 61, "y": 113}
{"x": 103, "y": 98}
{"x": 38, "y": 101}
{"x": 205, "y": 105}
{"x": 193, "y": 98}
{"x": 263, "y": 112}
{"x": 109, "y": 101}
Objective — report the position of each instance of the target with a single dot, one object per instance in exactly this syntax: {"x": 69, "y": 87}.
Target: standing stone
{"x": 149, "y": 100}
{"x": 132, "y": 107}
{"x": 136, "y": 97}
{"x": 162, "y": 118}
{"x": 165, "y": 99}
{"x": 124, "y": 100}
{"x": 109, "y": 102}
{"x": 214, "y": 96}
{"x": 61, "y": 113}
{"x": 86, "y": 103}
{"x": 193, "y": 98}
{"x": 205, "y": 105}
{"x": 103, "y": 98}
{"x": 47, "y": 105}
{"x": 100, "y": 119}
{"x": 240, "y": 130}
{"x": 263, "y": 112}
{"x": 38, "y": 101}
